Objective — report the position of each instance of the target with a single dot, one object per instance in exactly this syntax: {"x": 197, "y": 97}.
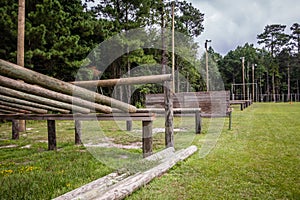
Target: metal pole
{"x": 243, "y": 77}
{"x": 253, "y": 96}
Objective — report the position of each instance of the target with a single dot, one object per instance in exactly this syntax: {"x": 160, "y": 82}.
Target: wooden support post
{"x": 78, "y": 131}
{"x": 230, "y": 120}
{"x": 15, "y": 129}
{"x": 51, "y": 135}
{"x": 197, "y": 122}
{"x": 129, "y": 125}
{"x": 242, "y": 106}
{"x": 169, "y": 127}
{"x": 147, "y": 138}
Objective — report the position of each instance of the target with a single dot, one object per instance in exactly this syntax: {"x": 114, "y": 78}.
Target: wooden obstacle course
{"x": 146, "y": 118}
{"x": 212, "y": 104}
{"x": 243, "y": 103}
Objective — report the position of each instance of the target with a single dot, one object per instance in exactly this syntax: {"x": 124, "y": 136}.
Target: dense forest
{"x": 64, "y": 39}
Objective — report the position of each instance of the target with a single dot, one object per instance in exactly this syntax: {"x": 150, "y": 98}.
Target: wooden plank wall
{"x": 213, "y": 102}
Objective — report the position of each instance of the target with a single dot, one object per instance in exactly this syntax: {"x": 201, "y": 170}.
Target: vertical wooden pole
{"x": 147, "y": 138}
{"x": 173, "y": 47}
{"x": 15, "y": 129}
{"x": 169, "y": 126}
{"x": 51, "y": 135}
{"x": 197, "y": 122}
{"x": 20, "y": 46}
{"x": 78, "y": 131}
{"x": 230, "y": 120}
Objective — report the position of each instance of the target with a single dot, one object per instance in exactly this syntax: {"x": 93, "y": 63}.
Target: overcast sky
{"x": 232, "y": 23}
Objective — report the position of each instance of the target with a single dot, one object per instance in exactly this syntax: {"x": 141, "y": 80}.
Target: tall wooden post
{"x": 169, "y": 126}
{"x": 173, "y": 47}
{"x": 20, "y": 46}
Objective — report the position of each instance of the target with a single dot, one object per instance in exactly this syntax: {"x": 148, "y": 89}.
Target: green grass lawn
{"x": 258, "y": 159}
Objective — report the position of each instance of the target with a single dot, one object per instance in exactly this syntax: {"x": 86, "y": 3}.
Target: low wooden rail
{"x": 146, "y": 118}
{"x": 243, "y": 103}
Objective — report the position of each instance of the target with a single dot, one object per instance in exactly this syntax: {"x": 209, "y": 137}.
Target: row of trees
{"x": 61, "y": 36}
{"x": 276, "y": 64}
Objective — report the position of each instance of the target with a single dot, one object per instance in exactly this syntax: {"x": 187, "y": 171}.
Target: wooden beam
{"x": 82, "y": 117}
{"x": 124, "y": 81}
{"x": 8, "y": 109}
{"x": 130, "y": 184}
{"x": 13, "y": 105}
{"x": 29, "y": 76}
{"x": 107, "y": 181}
{"x": 31, "y": 104}
{"x": 39, "y": 91}
{"x": 42, "y": 100}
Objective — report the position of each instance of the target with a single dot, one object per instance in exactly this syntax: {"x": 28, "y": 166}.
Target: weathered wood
{"x": 129, "y": 125}
{"x": 9, "y": 109}
{"x": 13, "y": 105}
{"x": 39, "y": 91}
{"x": 15, "y": 129}
{"x": 82, "y": 117}
{"x": 198, "y": 122}
{"x": 3, "y": 111}
{"x": 147, "y": 138}
{"x": 28, "y": 103}
{"x": 127, "y": 186}
{"x": 21, "y": 46}
{"x": 78, "y": 132}
{"x": 29, "y": 76}
{"x": 213, "y": 103}
{"x": 103, "y": 183}
{"x": 124, "y": 81}
{"x": 100, "y": 184}
{"x": 161, "y": 155}
{"x": 42, "y": 100}
{"x": 175, "y": 110}
{"x": 169, "y": 126}
{"x": 51, "y": 135}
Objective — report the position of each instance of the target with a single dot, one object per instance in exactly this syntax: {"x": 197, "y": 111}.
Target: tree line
{"x": 61, "y": 34}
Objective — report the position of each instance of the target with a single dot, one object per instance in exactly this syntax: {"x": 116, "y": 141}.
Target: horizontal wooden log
{"x": 14, "y": 110}
{"x": 175, "y": 110}
{"x": 4, "y": 111}
{"x": 13, "y": 105}
{"x": 31, "y": 104}
{"x": 127, "y": 186}
{"x": 99, "y": 184}
{"x": 107, "y": 181}
{"x": 82, "y": 117}
{"x": 124, "y": 81}
{"x": 29, "y": 76}
{"x": 39, "y": 91}
{"x": 41, "y": 100}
